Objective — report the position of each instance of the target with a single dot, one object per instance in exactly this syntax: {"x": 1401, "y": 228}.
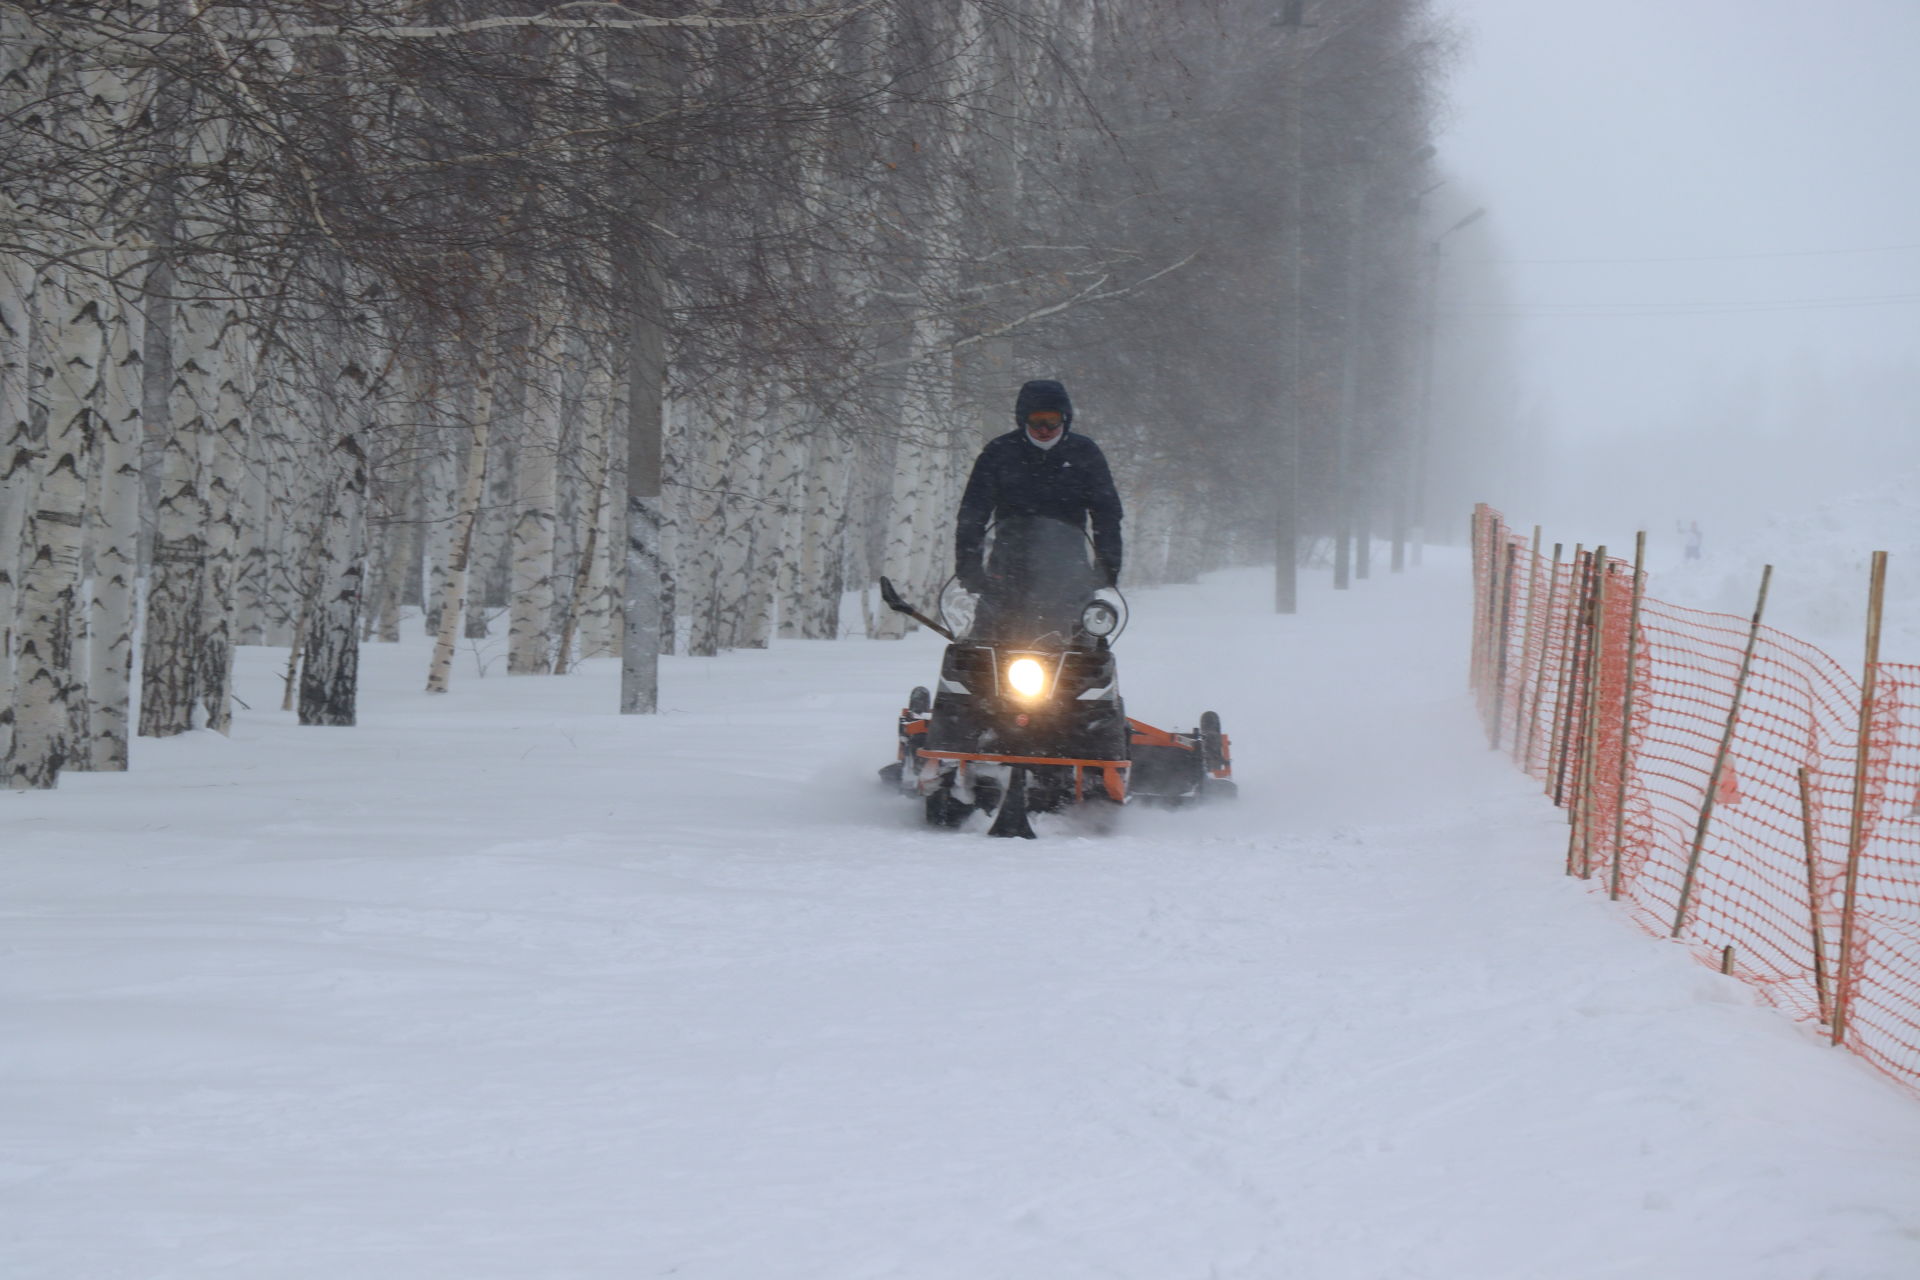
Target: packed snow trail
{"x": 500, "y": 984}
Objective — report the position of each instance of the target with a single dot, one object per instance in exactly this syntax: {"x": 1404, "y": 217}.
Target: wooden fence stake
{"x": 1477, "y": 654}
{"x": 1500, "y": 568}
{"x": 1540, "y": 670}
{"x": 1726, "y": 959}
{"x": 1496, "y": 726}
{"x": 1486, "y": 586}
{"x": 1626, "y": 709}
{"x": 1820, "y": 988}
{"x": 1720, "y": 757}
{"x": 1566, "y": 696}
{"x": 1857, "y": 824}
{"x": 1582, "y": 834}
{"x": 1526, "y": 649}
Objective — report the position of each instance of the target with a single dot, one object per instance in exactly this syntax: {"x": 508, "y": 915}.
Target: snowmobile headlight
{"x": 1028, "y": 678}
{"x": 1099, "y": 619}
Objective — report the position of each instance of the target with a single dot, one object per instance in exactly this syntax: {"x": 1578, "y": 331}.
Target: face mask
{"x": 1045, "y": 444}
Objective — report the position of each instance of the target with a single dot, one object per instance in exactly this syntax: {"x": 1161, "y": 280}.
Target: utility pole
{"x": 1429, "y": 340}
{"x": 1349, "y": 423}
{"x": 1286, "y": 530}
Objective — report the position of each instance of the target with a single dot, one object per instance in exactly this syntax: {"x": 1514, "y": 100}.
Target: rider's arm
{"x": 1103, "y": 504}
{"x": 970, "y": 527}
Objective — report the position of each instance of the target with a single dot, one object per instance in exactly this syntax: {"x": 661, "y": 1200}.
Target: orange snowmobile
{"x": 1027, "y": 716}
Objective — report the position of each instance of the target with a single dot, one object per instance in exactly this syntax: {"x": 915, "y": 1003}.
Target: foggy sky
{"x": 1782, "y": 132}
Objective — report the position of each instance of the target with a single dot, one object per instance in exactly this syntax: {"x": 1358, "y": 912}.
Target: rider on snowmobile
{"x": 1039, "y": 469}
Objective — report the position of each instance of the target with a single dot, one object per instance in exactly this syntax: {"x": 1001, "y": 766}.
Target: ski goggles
{"x": 1045, "y": 420}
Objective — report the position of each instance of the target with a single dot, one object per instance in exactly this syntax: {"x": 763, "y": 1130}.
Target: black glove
{"x": 973, "y": 578}
{"x": 1110, "y": 574}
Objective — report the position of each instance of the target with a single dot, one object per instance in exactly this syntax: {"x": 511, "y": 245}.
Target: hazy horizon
{"x": 1704, "y": 221}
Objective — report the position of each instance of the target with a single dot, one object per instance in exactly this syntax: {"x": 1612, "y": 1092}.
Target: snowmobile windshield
{"x": 1040, "y": 576}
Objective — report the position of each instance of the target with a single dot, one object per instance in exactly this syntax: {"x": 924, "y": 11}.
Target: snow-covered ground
{"x": 503, "y": 985}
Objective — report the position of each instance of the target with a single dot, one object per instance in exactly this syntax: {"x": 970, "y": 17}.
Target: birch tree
{"x": 699, "y": 309}
{"x": 329, "y": 668}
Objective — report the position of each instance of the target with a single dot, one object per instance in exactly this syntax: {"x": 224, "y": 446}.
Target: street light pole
{"x": 1286, "y": 524}
{"x": 1429, "y": 340}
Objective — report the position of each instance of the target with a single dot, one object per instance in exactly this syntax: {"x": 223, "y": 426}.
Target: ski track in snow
{"x": 501, "y": 984}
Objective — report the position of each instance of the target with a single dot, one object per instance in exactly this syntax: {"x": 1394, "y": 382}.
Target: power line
{"x": 1630, "y": 309}
{"x": 1710, "y": 257}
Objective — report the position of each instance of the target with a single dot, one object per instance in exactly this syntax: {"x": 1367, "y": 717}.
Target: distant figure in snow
{"x": 1691, "y": 532}
{"x": 1039, "y": 469}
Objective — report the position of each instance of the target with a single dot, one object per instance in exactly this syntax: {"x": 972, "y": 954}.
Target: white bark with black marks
{"x": 330, "y": 663}
{"x": 584, "y": 631}
{"x": 21, "y": 446}
{"x": 745, "y": 598}
{"x": 535, "y": 481}
{"x": 823, "y": 532}
{"x": 453, "y": 585}
{"x": 49, "y": 708}
{"x": 710, "y": 442}
{"x": 789, "y": 485}
{"x": 910, "y": 499}
{"x": 446, "y": 444}
{"x": 223, "y": 472}
{"x": 113, "y": 529}
{"x": 170, "y": 667}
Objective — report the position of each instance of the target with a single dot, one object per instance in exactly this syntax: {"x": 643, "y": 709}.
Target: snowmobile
{"x": 1027, "y": 715}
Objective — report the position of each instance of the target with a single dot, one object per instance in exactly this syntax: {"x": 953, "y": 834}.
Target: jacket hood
{"x": 1042, "y": 393}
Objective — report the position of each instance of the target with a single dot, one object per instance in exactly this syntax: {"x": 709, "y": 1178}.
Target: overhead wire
{"x": 1708, "y": 257}
{"x": 1630, "y": 309}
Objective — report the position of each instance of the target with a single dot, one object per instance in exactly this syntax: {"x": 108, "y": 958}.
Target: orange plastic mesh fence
{"x": 1711, "y": 770}
{"x": 1883, "y": 996}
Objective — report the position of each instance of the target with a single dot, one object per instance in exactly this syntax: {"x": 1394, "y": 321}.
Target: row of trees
{"x": 645, "y": 326}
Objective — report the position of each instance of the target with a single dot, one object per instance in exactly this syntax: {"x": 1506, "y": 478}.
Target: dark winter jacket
{"x": 1013, "y": 477}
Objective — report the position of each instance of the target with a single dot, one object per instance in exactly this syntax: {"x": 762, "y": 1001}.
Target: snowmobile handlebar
{"x": 892, "y": 600}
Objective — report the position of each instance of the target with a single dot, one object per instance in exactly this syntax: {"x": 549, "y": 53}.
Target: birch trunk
{"x": 223, "y": 467}
{"x": 400, "y": 571}
{"x": 535, "y": 478}
{"x": 21, "y": 445}
{"x": 460, "y": 537}
{"x": 711, "y": 441}
{"x": 908, "y": 499}
{"x": 266, "y": 591}
{"x": 172, "y": 661}
{"x": 442, "y": 499}
{"x": 578, "y": 475}
{"x": 585, "y": 618}
{"x": 641, "y": 586}
{"x": 488, "y": 560}
{"x": 304, "y": 412}
{"x": 252, "y": 601}
{"x": 170, "y": 670}
{"x": 744, "y": 605}
{"x": 23, "y": 74}
{"x": 114, "y": 528}
{"x": 675, "y": 513}
{"x": 822, "y": 543}
{"x": 789, "y": 490}
{"x": 330, "y": 663}
{"x": 48, "y": 698}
